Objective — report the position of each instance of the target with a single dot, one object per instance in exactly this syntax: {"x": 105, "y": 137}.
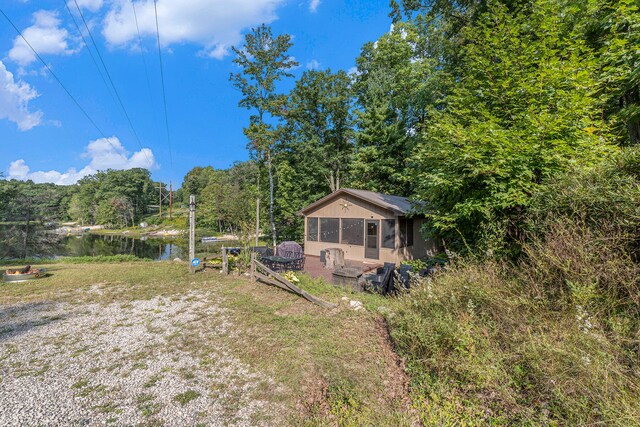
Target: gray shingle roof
{"x": 396, "y": 204}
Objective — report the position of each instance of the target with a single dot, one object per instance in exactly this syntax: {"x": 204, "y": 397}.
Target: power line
{"x": 55, "y": 76}
{"x": 75, "y": 101}
{"x": 144, "y": 57}
{"x": 164, "y": 93}
{"x": 112, "y": 84}
{"x": 93, "y": 59}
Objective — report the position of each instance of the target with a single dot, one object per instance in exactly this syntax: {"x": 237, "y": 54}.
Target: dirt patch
{"x": 396, "y": 381}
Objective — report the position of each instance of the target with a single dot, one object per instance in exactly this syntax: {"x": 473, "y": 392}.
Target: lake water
{"x": 51, "y": 246}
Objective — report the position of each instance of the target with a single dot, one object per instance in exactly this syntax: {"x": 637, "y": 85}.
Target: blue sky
{"x": 44, "y": 136}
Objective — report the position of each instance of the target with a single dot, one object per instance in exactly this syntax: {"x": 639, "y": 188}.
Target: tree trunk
{"x": 273, "y": 222}
{"x": 258, "y": 205}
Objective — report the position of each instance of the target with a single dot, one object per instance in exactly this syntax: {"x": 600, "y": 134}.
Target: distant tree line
{"x": 115, "y": 198}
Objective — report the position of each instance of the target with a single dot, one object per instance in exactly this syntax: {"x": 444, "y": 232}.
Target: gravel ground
{"x": 150, "y": 362}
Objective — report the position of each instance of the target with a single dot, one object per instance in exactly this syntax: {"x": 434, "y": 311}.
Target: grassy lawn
{"x": 208, "y": 347}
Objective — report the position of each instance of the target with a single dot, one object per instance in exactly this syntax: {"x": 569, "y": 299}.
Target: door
{"x": 371, "y": 250}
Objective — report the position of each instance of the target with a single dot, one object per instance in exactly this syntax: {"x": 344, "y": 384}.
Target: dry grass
{"x": 551, "y": 341}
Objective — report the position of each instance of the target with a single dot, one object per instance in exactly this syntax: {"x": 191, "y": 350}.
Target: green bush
{"x": 552, "y": 339}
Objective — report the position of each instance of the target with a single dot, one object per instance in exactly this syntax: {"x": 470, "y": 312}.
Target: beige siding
{"x": 347, "y": 206}
{"x": 421, "y": 247}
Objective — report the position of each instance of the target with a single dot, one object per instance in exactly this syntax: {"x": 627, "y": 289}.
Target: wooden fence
{"x": 262, "y": 273}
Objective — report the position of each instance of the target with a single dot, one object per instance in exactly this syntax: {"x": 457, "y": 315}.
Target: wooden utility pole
{"x": 225, "y": 261}
{"x": 192, "y": 231}
{"x": 170, "y": 200}
{"x": 160, "y": 199}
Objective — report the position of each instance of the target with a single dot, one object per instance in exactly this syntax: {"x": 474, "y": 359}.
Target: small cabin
{"x": 367, "y": 226}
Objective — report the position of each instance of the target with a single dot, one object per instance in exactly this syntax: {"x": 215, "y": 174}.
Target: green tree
{"x": 522, "y": 111}
{"x": 196, "y": 180}
{"x": 612, "y": 27}
{"x": 395, "y": 86}
{"x": 321, "y": 124}
{"x": 264, "y": 61}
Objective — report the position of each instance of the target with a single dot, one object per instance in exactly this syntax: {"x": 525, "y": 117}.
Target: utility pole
{"x": 160, "y": 199}
{"x": 192, "y": 231}
{"x": 170, "y": 200}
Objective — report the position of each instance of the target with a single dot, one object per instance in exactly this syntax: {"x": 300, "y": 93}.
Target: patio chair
{"x": 383, "y": 282}
{"x": 297, "y": 264}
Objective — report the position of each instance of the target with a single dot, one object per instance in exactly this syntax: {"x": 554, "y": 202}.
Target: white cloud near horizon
{"x": 313, "y": 5}
{"x": 14, "y": 101}
{"x": 104, "y": 153}
{"x": 216, "y": 25}
{"x": 45, "y": 35}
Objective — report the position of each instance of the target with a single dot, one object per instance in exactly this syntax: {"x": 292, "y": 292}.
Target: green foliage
{"x": 520, "y": 114}
{"x": 117, "y": 198}
{"x": 196, "y": 180}
{"x": 550, "y": 340}
{"x": 320, "y": 125}
{"x": 483, "y": 347}
{"x": 225, "y": 197}
{"x": 315, "y": 151}
{"x": 264, "y": 62}
{"x": 394, "y": 86}
{"x": 607, "y": 193}
{"x": 612, "y": 27}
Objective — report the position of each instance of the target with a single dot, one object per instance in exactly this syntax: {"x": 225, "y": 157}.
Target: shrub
{"x": 550, "y": 339}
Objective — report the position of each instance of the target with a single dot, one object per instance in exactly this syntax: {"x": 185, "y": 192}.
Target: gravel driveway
{"x": 149, "y": 362}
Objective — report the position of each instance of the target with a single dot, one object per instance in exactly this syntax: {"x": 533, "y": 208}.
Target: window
{"x": 353, "y": 232}
{"x": 406, "y": 231}
{"x": 312, "y": 229}
{"x": 330, "y": 230}
{"x": 389, "y": 233}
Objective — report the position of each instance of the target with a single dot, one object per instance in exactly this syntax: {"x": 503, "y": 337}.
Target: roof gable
{"x": 396, "y": 204}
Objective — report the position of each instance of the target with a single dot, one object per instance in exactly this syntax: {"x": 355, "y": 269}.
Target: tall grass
{"x": 552, "y": 339}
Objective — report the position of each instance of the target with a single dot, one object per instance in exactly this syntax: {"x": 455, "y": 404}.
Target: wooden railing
{"x": 264, "y": 274}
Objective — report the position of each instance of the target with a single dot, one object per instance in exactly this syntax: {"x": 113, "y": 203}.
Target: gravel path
{"x": 150, "y": 362}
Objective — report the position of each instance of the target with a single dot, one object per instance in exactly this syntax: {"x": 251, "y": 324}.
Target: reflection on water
{"x": 97, "y": 245}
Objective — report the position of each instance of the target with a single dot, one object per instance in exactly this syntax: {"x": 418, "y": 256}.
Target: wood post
{"x": 192, "y": 231}
{"x": 170, "y": 200}
{"x": 225, "y": 261}
{"x": 253, "y": 265}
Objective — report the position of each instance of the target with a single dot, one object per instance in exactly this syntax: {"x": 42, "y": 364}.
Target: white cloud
{"x": 91, "y": 5}
{"x": 45, "y": 35}
{"x": 105, "y": 153}
{"x": 214, "y": 24}
{"x": 313, "y": 65}
{"x": 14, "y": 101}
{"x": 313, "y": 5}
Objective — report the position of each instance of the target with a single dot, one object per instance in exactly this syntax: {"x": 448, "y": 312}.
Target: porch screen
{"x": 330, "y": 230}
{"x": 353, "y": 232}
{"x": 389, "y": 233}
{"x": 406, "y": 231}
{"x": 312, "y": 229}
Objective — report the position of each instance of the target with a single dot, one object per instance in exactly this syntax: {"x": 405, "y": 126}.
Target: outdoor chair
{"x": 297, "y": 264}
{"x": 383, "y": 282}
{"x": 262, "y": 251}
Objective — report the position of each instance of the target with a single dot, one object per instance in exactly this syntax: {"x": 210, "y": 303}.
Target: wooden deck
{"x": 314, "y": 268}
